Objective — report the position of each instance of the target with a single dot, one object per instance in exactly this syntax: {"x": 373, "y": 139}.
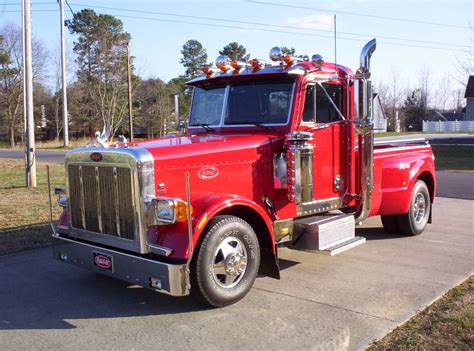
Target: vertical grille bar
{"x": 83, "y": 216}
{"x": 99, "y": 206}
{"x": 102, "y": 200}
{"x": 116, "y": 202}
{"x": 75, "y": 196}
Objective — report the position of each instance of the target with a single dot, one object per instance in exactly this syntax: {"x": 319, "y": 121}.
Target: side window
{"x": 309, "y": 110}
{"x": 325, "y": 111}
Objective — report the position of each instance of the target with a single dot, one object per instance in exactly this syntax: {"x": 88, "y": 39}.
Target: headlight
{"x": 171, "y": 210}
{"x": 62, "y": 197}
{"x": 62, "y": 200}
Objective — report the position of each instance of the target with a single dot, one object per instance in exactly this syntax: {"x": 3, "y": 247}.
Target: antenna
{"x": 335, "y": 46}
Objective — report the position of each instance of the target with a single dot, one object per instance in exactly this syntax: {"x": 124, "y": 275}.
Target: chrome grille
{"x": 102, "y": 200}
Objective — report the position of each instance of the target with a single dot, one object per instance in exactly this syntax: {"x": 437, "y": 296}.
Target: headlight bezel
{"x": 176, "y": 209}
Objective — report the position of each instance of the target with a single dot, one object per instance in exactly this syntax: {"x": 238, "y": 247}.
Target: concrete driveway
{"x": 322, "y": 303}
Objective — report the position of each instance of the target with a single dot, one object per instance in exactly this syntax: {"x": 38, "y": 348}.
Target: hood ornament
{"x": 102, "y": 138}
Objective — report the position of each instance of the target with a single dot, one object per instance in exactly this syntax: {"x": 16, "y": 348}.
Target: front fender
{"x": 205, "y": 207}
{"x": 210, "y": 206}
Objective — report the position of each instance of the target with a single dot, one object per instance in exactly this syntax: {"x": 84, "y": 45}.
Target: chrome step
{"x": 329, "y": 234}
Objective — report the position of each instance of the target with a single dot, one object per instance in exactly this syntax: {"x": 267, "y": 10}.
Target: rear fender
{"x": 397, "y": 194}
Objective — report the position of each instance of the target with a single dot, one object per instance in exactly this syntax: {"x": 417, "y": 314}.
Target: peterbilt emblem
{"x": 103, "y": 261}
{"x": 207, "y": 173}
{"x": 96, "y": 156}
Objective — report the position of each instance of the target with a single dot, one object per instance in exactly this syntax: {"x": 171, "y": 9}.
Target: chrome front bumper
{"x": 171, "y": 279}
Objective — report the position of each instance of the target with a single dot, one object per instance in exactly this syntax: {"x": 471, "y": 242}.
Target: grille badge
{"x": 96, "y": 156}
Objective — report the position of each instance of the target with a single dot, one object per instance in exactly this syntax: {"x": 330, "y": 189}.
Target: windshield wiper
{"x": 205, "y": 126}
{"x": 267, "y": 128}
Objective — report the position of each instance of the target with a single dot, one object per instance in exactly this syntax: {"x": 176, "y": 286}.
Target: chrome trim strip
{"x": 381, "y": 141}
{"x": 160, "y": 250}
{"x": 318, "y": 206}
{"x": 401, "y": 148}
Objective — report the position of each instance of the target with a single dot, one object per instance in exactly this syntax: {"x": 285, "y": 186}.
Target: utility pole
{"x": 28, "y": 96}
{"x": 63, "y": 76}
{"x": 23, "y": 139}
{"x": 129, "y": 71}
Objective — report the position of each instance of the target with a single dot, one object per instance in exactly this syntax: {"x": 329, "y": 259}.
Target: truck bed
{"x": 398, "y": 164}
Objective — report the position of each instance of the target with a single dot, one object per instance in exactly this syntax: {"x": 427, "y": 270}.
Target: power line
{"x": 263, "y": 30}
{"x": 274, "y": 31}
{"x": 259, "y": 24}
{"x": 356, "y": 14}
{"x": 70, "y": 9}
{"x": 263, "y": 24}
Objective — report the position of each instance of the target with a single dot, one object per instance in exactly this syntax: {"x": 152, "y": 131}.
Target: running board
{"x": 329, "y": 234}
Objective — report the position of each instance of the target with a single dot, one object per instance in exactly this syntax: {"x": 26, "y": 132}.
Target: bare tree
{"x": 392, "y": 97}
{"x": 11, "y": 85}
{"x": 443, "y": 93}
{"x": 465, "y": 61}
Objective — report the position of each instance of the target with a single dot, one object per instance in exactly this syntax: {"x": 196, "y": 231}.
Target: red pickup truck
{"x": 278, "y": 153}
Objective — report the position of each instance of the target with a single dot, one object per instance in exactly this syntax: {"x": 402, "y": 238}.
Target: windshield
{"x": 251, "y": 103}
{"x": 207, "y": 105}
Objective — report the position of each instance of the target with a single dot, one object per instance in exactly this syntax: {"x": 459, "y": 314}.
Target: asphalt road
{"x": 47, "y": 156}
{"x": 322, "y": 303}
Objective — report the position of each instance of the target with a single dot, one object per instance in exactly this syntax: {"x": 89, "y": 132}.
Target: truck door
{"x": 330, "y": 130}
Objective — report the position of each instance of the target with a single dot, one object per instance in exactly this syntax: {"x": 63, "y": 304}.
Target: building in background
{"x": 469, "y": 96}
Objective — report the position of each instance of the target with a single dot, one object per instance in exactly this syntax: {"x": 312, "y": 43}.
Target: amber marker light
{"x": 207, "y": 71}
{"x": 255, "y": 64}
{"x": 288, "y": 59}
{"x": 236, "y": 65}
{"x": 181, "y": 209}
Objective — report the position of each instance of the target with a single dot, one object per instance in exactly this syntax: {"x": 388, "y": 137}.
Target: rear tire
{"x": 414, "y": 222}
{"x": 226, "y": 263}
{"x": 390, "y": 224}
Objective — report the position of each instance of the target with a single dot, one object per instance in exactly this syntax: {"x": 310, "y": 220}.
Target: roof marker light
{"x": 255, "y": 64}
{"x": 317, "y": 61}
{"x": 222, "y": 63}
{"x": 236, "y": 65}
{"x": 207, "y": 70}
{"x": 288, "y": 59}
{"x": 276, "y": 54}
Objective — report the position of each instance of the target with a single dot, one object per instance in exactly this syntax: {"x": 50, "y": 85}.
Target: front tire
{"x": 226, "y": 263}
{"x": 414, "y": 222}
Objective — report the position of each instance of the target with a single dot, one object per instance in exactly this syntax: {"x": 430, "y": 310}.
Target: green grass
{"x": 447, "y": 324}
{"x": 24, "y": 220}
{"x": 456, "y": 158}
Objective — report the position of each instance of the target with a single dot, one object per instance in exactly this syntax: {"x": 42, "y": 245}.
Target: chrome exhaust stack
{"x": 364, "y": 125}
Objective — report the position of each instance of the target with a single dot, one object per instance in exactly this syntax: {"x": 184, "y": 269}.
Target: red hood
{"x": 201, "y": 145}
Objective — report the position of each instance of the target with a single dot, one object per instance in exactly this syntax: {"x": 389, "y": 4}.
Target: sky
{"x": 412, "y": 36}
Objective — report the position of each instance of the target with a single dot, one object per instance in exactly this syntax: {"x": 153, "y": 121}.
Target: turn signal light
{"x": 255, "y": 64}
{"x": 181, "y": 209}
{"x": 237, "y": 66}
{"x": 288, "y": 59}
{"x": 207, "y": 71}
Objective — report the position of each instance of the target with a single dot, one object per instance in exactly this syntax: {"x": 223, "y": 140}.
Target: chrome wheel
{"x": 229, "y": 263}
{"x": 419, "y": 208}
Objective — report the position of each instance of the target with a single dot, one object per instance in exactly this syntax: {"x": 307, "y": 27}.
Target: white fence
{"x": 448, "y": 126}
